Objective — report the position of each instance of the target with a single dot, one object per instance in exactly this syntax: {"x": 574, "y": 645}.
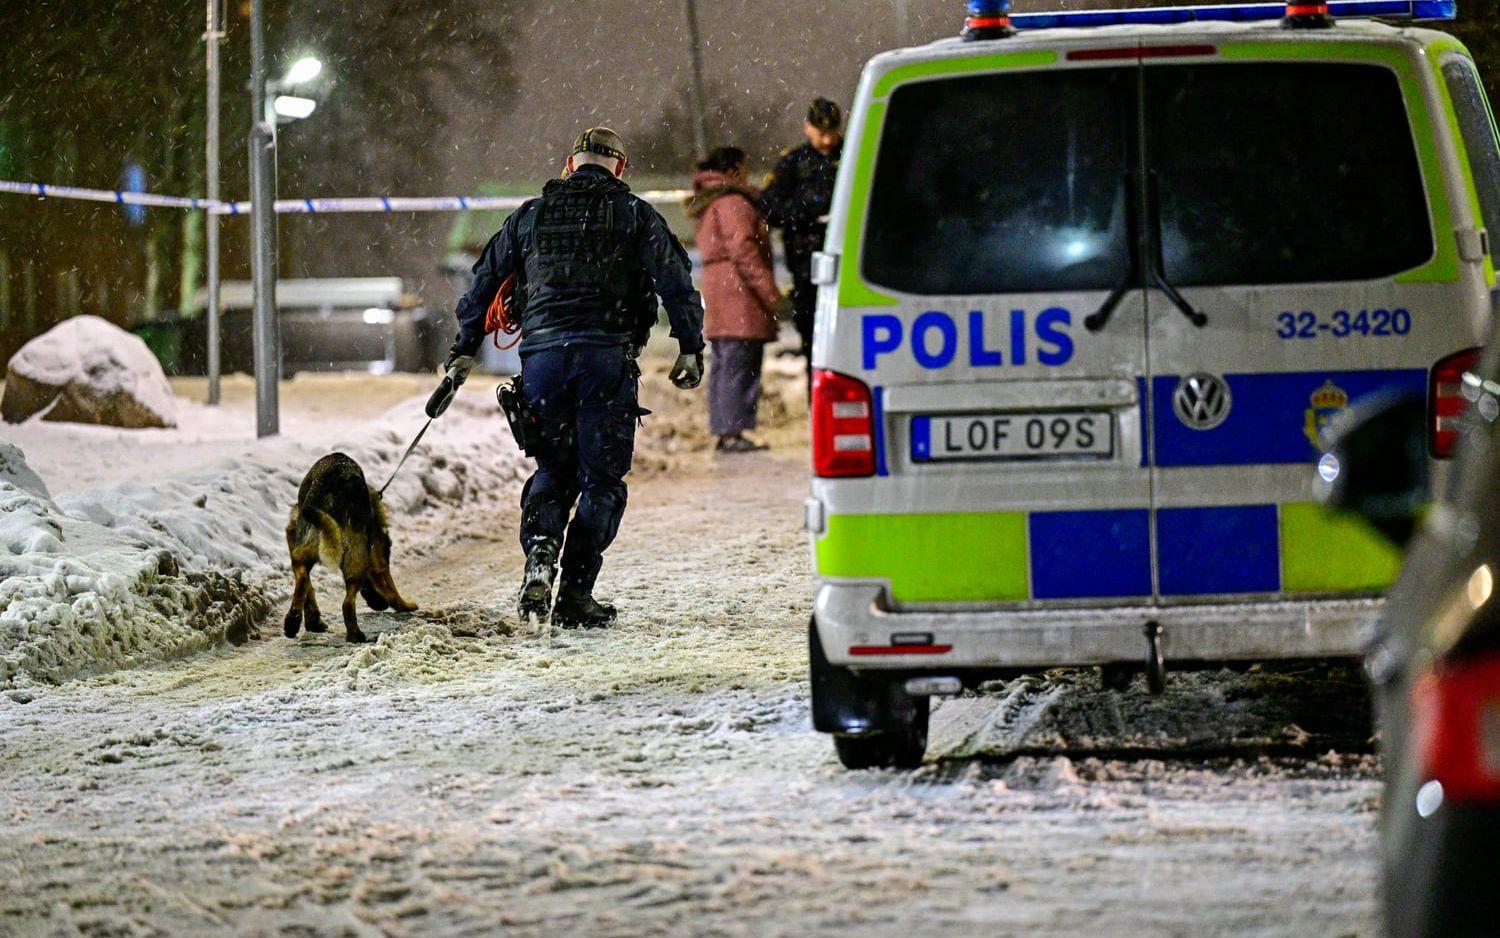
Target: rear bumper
{"x": 858, "y": 629}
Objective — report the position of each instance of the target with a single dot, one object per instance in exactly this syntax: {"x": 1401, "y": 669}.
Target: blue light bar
{"x": 1237, "y": 13}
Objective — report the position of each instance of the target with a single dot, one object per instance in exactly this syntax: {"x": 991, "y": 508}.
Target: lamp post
{"x": 266, "y": 340}
{"x": 267, "y": 107}
{"x": 212, "y": 36}
{"x": 697, "y": 98}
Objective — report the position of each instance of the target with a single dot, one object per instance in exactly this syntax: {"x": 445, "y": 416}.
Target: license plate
{"x": 1071, "y": 434}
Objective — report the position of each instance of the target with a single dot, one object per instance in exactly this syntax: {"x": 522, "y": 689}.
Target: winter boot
{"x": 576, "y": 609}
{"x": 535, "y": 598}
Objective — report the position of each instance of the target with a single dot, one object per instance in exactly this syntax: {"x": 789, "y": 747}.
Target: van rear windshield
{"x": 1003, "y": 183}
{"x": 1284, "y": 173}
{"x": 1257, "y": 173}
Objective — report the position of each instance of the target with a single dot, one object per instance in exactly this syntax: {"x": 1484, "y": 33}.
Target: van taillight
{"x": 1456, "y": 730}
{"x": 843, "y": 426}
{"x": 1446, "y": 400}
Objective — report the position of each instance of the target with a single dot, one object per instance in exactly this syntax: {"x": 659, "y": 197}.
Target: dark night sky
{"x": 624, "y": 63}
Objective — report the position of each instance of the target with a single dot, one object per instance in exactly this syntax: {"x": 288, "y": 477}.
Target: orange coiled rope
{"x": 498, "y": 320}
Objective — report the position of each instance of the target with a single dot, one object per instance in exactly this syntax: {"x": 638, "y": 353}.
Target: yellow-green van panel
{"x": 1435, "y": 53}
{"x": 1326, "y": 552}
{"x": 948, "y": 557}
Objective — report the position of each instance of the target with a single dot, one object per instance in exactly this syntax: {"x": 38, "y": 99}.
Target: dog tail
{"x": 330, "y": 538}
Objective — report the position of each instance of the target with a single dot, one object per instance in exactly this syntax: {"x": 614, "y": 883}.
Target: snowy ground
{"x": 464, "y": 773}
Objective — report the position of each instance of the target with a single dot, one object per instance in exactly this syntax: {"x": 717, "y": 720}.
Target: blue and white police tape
{"x": 117, "y": 196}
{"x": 454, "y": 203}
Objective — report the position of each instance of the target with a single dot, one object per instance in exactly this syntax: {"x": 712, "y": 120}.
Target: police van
{"x": 1094, "y": 286}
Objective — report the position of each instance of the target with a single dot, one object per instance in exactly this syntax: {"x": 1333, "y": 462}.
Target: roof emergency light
{"x": 988, "y": 19}
{"x": 1306, "y": 14}
{"x": 1408, "y": 10}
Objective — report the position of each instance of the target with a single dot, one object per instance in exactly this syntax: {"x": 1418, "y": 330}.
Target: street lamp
{"x": 302, "y": 71}
{"x": 269, "y": 107}
{"x": 292, "y": 107}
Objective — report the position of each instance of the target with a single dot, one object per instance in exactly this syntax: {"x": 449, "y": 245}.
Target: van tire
{"x": 891, "y": 724}
{"x": 895, "y": 749}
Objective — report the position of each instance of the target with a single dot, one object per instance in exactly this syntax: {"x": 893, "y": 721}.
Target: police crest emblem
{"x": 1327, "y": 402}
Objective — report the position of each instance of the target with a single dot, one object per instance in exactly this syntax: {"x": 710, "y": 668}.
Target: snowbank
{"x": 73, "y": 592}
{"x": 132, "y": 572}
{"x": 88, "y": 370}
{"x": 29, "y": 522}
{"x": 13, "y": 469}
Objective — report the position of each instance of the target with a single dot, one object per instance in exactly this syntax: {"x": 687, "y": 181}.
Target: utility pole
{"x": 699, "y": 102}
{"x": 263, "y": 226}
{"x": 212, "y": 36}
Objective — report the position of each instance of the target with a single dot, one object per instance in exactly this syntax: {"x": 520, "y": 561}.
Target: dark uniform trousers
{"x": 585, "y": 396}
{"x": 804, "y": 301}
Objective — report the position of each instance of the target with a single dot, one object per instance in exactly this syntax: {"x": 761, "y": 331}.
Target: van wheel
{"x": 901, "y": 748}
{"x": 875, "y": 723}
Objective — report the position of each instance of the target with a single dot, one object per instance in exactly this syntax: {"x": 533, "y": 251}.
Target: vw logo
{"x": 1201, "y": 401}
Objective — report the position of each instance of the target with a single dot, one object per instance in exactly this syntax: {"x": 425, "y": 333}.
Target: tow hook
{"x": 1116, "y": 675}
{"x": 1156, "y": 662}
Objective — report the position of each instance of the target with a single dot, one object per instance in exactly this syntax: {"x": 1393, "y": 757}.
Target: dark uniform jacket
{"x": 798, "y": 199}
{"x": 590, "y": 260}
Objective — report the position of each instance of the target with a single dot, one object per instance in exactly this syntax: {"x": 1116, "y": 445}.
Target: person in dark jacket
{"x": 589, "y": 260}
{"x": 739, "y": 292}
{"x": 797, "y": 201}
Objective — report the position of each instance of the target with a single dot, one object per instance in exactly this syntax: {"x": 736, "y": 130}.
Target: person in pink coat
{"x": 739, "y": 292}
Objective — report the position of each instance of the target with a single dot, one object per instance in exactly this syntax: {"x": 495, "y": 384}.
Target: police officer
{"x": 589, "y": 259}
{"x": 797, "y": 201}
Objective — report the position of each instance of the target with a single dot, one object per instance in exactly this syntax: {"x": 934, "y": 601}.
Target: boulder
{"x": 88, "y": 370}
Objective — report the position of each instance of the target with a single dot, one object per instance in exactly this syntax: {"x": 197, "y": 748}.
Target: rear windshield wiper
{"x": 1099, "y": 318}
{"x": 1158, "y": 263}
{"x": 1178, "y": 300}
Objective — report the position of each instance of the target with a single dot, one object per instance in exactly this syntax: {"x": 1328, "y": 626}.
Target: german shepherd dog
{"x": 340, "y": 520}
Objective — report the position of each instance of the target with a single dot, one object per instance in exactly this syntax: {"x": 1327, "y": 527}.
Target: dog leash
{"x": 436, "y": 404}
{"x": 397, "y": 470}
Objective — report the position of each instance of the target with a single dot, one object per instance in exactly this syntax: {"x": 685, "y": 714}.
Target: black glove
{"x": 458, "y": 367}
{"x": 456, "y": 372}
{"x": 687, "y": 371}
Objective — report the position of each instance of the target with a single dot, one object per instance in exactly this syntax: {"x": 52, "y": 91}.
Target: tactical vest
{"x": 577, "y": 260}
